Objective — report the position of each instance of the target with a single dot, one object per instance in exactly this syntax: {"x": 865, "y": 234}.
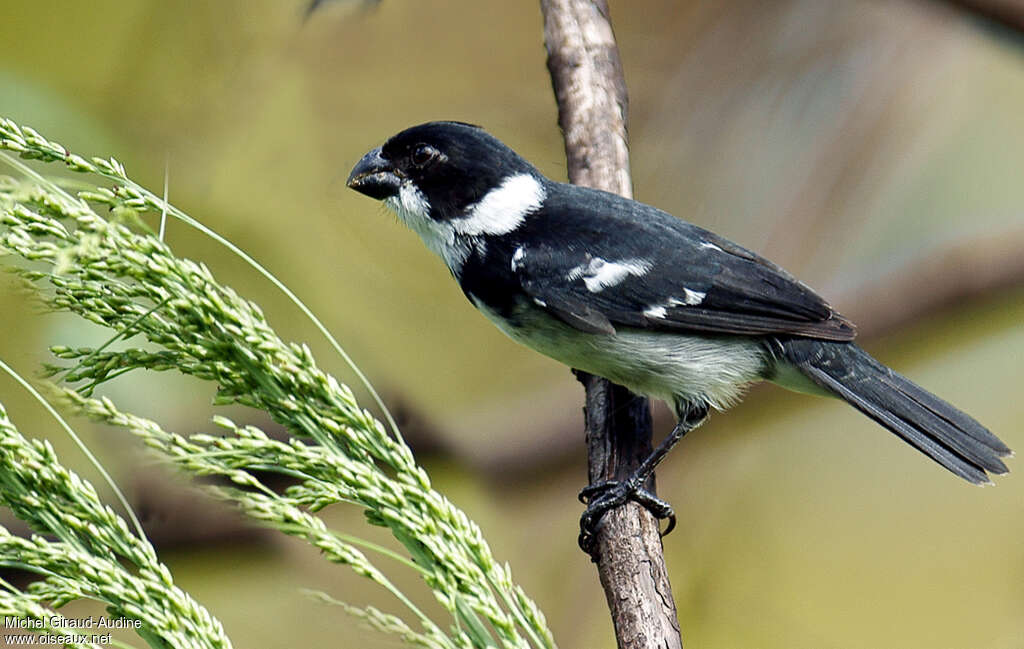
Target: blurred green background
{"x": 876, "y": 149}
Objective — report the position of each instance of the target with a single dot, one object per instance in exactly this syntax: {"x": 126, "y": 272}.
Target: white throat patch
{"x": 504, "y": 208}
{"x": 413, "y": 208}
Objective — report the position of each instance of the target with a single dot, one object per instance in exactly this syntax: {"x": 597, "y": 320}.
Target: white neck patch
{"x": 504, "y": 208}
{"x": 413, "y": 208}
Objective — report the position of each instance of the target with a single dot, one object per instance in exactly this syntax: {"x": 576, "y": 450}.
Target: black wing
{"x": 598, "y": 261}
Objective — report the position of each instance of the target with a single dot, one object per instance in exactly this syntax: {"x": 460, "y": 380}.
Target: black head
{"x": 451, "y": 164}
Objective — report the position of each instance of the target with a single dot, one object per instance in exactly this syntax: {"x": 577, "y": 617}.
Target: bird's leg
{"x": 608, "y": 495}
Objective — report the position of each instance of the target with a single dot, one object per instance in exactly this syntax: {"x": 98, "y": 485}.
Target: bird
{"x": 631, "y": 293}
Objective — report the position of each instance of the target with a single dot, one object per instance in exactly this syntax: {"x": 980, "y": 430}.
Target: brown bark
{"x": 590, "y": 89}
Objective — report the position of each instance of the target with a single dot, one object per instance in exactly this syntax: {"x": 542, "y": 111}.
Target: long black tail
{"x": 948, "y": 436}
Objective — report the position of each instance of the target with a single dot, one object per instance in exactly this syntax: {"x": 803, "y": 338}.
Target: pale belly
{"x": 677, "y": 368}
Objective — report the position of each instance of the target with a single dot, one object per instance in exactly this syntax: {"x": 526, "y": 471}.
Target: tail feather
{"x": 949, "y": 436}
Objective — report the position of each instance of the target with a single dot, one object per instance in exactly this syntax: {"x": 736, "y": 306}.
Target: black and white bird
{"x": 628, "y": 292}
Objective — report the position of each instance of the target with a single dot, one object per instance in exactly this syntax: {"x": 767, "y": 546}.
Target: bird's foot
{"x": 605, "y": 496}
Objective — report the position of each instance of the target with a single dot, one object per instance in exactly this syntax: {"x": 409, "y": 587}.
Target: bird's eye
{"x": 424, "y": 154}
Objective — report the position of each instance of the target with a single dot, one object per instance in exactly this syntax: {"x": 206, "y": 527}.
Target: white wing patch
{"x": 517, "y": 258}
{"x": 504, "y": 208}
{"x": 690, "y": 298}
{"x": 599, "y": 274}
{"x": 710, "y": 246}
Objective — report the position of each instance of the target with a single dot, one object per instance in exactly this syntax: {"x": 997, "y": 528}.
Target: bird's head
{"x": 441, "y": 171}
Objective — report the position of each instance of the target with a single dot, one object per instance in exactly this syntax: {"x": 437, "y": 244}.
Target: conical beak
{"x": 374, "y": 176}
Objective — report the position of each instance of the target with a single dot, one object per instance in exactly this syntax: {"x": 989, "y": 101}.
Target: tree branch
{"x": 590, "y": 89}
